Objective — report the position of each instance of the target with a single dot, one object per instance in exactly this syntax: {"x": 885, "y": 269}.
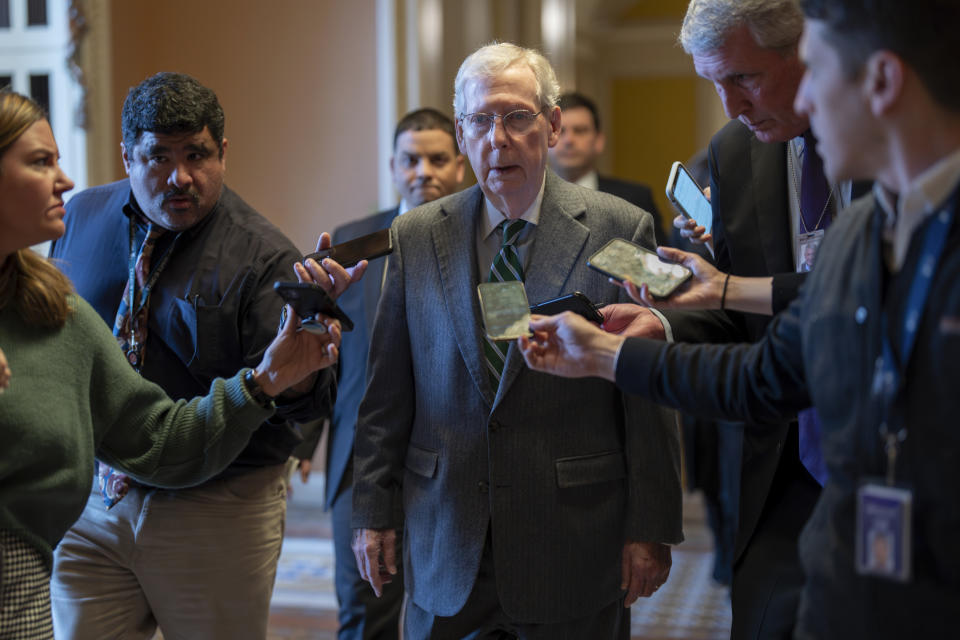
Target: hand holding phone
{"x": 623, "y": 260}
{"x": 576, "y": 302}
{"x": 687, "y": 197}
{"x": 309, "y": 299}
{"x": 347, "y": 254}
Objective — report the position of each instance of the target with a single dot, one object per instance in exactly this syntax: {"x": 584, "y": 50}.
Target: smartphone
{"x": 505, "y": 310}
{"x": 347, "y": 254}
{"x": 576, "y": 302}
{"x": 687, "y": 197}
{"x": 308, "y": 299}
{"x": 623, "y": 260}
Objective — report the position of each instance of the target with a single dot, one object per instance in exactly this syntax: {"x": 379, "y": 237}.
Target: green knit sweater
{"x": 73, "y": 396}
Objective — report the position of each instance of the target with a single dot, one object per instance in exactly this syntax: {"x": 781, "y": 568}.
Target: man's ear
{"x": 125, "y": 158}
{"x": 461, "y": 167}
{"x": 554, "y": 120}
{"x": 599, "y": 143}
{"x": 459, "y": 129}
{"x": 223, "y": 153}
{"x": 883, "y": 78}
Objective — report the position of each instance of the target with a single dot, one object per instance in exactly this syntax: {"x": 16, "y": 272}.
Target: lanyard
{"x": 154, "y": 273}
{"x": 889, "y": 370}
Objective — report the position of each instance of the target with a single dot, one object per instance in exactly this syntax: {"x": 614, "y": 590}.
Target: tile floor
{"x": 690, "y": 606}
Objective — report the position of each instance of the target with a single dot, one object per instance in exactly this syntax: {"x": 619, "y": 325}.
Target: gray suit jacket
{"x": 563, "y": 471}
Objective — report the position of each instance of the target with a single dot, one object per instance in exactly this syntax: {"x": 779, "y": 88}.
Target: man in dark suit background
{"x": 874, "y": 339}
{"x": 522, "y": 512}
{"x": 426, "y": 164}
{"x": 576, "y": 154}
{"x": 748, "y": 49}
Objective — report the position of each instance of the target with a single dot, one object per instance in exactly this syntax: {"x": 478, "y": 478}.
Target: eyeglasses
{"x": 517, "y": 123}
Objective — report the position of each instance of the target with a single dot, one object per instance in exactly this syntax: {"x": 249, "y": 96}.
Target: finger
{"x": 371, "y": 558}
{"x": 543, "y": 323}
{"x": 635, "y": 588}
{"x": 680, "y": 222}
{"x": 359, "y": 557}
{"x": 634, "y": 292}
{"x": 324, "y": 241}
{"x": 318, "y": 275}
{"x": 339, "y": 275}
{"x": 672, "y": 254}
{"x": 390, "y": 554}
{"x": 305, "y": 470}
{"x": 356, "y": 272}
{"x": 647, "y": 298}
{"x": 301, "y": 272}
{"x": 291, "y": 322}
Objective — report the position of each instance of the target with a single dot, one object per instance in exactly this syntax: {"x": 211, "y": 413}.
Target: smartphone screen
{"x": 505, "y": 310}
{"x": 347, "y": 254}
{"x": 687, "y": 196}
{"x": 624, "y": 260}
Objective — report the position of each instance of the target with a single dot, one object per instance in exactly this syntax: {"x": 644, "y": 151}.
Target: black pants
{"x": 767, "y": 578}
{"x": 482, "y": 617}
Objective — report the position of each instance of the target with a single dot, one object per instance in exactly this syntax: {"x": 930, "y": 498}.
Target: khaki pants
{"x": 198, "y": 562}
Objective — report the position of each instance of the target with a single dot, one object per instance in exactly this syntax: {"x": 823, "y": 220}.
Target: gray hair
{"x": 492, "y": 59}
{"x": 774, "y": 24}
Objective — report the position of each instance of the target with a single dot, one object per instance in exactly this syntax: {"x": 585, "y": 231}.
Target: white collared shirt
{"x": 489, "y": 239}
{"x": 925, "y": 195}
{"x": 590, "y": 180}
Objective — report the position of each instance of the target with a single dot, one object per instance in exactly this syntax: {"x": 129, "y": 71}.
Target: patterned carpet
{"x": 690, "y": 606}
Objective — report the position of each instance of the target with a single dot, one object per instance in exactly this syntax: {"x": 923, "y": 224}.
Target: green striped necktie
{"x": 505, "y": 268}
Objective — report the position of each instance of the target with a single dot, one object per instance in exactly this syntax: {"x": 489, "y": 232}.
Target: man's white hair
{"x": 774, "y": 24}
{"x": 493, "y": 59}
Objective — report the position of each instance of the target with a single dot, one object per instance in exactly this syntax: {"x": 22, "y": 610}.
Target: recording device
{"x": 687, "y": 197}
{"x": 309, "y": 299}
{"x": 505, "y": 310}
{"x": 623, "y": 260}
{"x": 349, "y": 253}
{"x": 576, "y": 302}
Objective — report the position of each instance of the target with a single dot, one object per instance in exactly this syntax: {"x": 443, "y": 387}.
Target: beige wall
{"x": 297, "y": 82}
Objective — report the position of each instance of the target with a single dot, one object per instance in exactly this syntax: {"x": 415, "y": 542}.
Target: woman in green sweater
{"x": 68, "y": 393}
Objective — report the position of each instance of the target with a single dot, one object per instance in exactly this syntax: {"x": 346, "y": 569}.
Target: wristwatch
{"x": 255, "y": 390}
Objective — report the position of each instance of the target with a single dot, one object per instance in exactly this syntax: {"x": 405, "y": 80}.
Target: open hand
{"x": 329, "y": 274}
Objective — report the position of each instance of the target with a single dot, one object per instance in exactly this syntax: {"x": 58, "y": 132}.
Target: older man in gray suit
{"x": 519, "y": 522}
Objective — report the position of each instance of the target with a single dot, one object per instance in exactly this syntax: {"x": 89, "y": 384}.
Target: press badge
{"x": 809, "y": 244}
{"x": 884, "y": 540}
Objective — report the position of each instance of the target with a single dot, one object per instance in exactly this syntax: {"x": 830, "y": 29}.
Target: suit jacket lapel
{"x": 771, "y": 204}
{"x": 373, "y": 278}
{"x": 456, "y": 250}
{"x": 557, "y": 250}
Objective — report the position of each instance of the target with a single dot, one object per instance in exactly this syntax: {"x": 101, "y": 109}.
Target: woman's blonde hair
{"x": 34, "y": 286}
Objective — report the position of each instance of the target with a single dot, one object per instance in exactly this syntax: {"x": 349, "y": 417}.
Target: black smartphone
{"x": 576, "y": 302}
{"x": 623, "y": 260}
{"x": 347, "y": 254}
{"x": 687, "y": 197}
{"x": 308, "y": 299}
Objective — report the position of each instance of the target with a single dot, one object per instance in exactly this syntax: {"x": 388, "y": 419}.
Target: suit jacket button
{"x": 494, "y": 425}
{"x": 483, "y": 486}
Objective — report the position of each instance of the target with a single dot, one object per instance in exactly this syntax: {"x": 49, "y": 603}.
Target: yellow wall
{"x": 654, "y": 120}
{"x": 297, "y": 83}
